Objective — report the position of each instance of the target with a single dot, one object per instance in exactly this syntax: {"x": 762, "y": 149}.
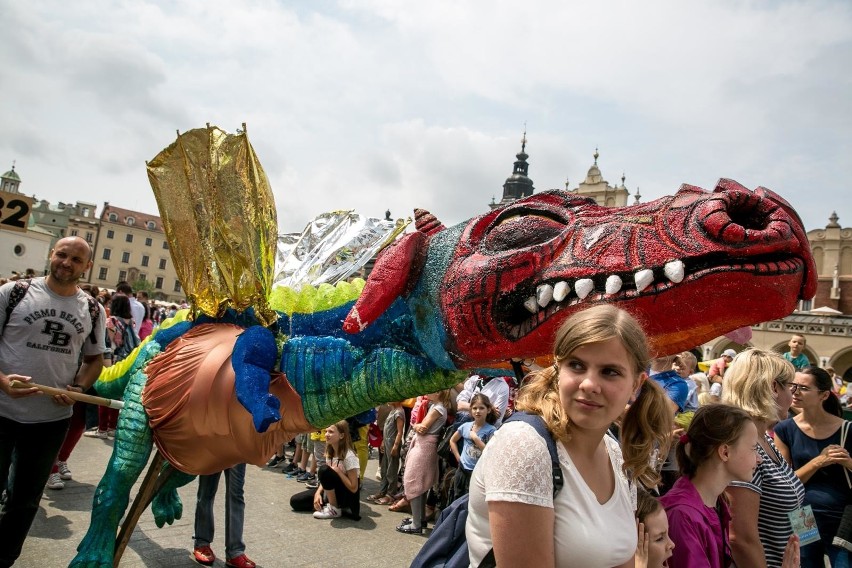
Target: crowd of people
{"x": 658, "y": 464}
{"x": 712, "y": 476}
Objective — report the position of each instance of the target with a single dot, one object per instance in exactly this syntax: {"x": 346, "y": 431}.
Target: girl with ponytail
{"x": 600, "y": 359}
{"x": 719, "y": 447}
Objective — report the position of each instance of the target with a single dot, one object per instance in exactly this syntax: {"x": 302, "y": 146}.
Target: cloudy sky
{"x": 382, "y": 104}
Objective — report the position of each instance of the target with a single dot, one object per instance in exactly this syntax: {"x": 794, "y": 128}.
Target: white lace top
{"x": 515, "y": 466}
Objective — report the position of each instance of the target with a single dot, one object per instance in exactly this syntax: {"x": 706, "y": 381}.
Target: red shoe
{"x": 241, "y": 561}
{"x": 204, "y": 555}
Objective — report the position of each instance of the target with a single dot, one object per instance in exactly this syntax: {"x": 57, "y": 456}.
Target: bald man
{"x": 45, "y": 325}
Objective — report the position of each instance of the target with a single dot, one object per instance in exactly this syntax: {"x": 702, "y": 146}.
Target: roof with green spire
{"x": 11, "y": 174}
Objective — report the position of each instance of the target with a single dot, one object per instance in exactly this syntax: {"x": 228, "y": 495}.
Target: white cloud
{"x": 377, "y": 104}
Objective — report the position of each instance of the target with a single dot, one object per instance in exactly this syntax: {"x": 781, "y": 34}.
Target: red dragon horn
{"x": 395, "y": 272}
{"x": 427, "y": 223}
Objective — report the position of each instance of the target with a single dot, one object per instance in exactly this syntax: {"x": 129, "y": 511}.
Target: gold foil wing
{"x": 219, "y": 216}
{"x": 332, "y": 247}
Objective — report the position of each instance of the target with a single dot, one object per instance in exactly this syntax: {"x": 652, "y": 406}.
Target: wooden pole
{"x": 78, "y": 396}
{"x": 152, "y": 483}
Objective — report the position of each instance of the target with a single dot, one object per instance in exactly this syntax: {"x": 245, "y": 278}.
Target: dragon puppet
{"x": 253, "y": 367}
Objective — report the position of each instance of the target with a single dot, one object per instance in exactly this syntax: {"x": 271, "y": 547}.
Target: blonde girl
{"x": 601, "y": 355}
{"x": 338, "y": 491}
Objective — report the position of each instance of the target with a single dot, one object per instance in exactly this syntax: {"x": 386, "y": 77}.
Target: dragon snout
{"x": 738, "y": 217}
{"x": 756, "y": 224}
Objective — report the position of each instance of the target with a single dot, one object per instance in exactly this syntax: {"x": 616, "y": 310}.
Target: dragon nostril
{"x": 749, "y": 218}
{"x": 740, "y": 216}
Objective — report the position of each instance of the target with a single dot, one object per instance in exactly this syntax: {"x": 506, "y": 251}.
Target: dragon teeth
{"x": 584, "y": 287}
{"x": 531, "y": 305}
{"x": 643, "y": 279}
{"x": 674, "y": 271}
{"x": 544, "y": 294}
{"x": 613, "y": 284}
{"x": 561, "y": 290}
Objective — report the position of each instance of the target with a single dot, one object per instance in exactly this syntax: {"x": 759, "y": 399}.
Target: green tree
{"x": 143, "y": 285}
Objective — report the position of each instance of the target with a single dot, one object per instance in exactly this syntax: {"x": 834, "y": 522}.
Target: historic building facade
{"x": 132, "y": 246}
{"x": 596, "y": 187}
{"x": 128, "y": 245}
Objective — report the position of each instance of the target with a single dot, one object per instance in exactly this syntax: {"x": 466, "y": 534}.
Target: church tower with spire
{"x": 518, "y": 184}
{"x": 596, "y": 187}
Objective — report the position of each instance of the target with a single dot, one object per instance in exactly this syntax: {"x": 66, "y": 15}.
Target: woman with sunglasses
{"x": 811, "y": 444}
{"x": 761, "y": 534}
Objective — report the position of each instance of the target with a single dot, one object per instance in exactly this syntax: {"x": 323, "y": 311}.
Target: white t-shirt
{"x": 350, "y": 461}
{"x": 43, "y": 340}
{"x": 515, "y": 467}
{"x": 137, "y": 310}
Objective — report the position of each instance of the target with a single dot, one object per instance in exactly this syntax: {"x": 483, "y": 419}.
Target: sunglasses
{"x": 802, "y": 388}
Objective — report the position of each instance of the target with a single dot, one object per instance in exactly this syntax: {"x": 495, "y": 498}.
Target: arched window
{"x": 130, "y": 221}
{"x": 845, "y": 267}
{"x": 151, "y": 225}
{"x": 113, "y": 217}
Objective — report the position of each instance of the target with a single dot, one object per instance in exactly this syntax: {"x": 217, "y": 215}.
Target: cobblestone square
{"x": 275, "y": 536}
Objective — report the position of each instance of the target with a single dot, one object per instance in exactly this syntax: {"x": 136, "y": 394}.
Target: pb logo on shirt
{"x": 58, "y": 337}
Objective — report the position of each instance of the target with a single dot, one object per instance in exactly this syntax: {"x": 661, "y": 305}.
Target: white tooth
{"x": 544, "y": 294}
{"x": 531, "y": 305}
{"x": 643, "y": 279}
{"x": 674, "y": 271}
{"x": 613, "y": 284}
{"x": 561, "y": 290}
{"x": 583, "y": 287}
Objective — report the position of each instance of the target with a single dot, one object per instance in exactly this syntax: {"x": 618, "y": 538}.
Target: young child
{"x": 338, "y": 491}
{"x": 475, "y": 435}
{"x": 393, "y": 430}
{"x": 795, "y": 355}
{"x": 719, "y": 447}
{"x": 654, "y": 547}
{"x": 421, "y": 463}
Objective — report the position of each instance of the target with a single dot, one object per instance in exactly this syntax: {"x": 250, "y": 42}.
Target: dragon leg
{"x": 133, "y": 442}
{"x": 167, "y": 506}
{"x": 254, "y": 356}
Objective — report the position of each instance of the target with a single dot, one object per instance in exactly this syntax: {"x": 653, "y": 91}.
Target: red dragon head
{"x": 691, "y": 266}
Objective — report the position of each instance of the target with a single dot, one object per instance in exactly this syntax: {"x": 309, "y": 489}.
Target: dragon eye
{"x": 521, "y": 231}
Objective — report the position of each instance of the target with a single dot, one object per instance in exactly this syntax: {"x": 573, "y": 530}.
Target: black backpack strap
{"x": 488, "y": 561}
{"x": 95, "y": 314}
{"x": 19, "y": 290}
{"x": 537, "y": 422}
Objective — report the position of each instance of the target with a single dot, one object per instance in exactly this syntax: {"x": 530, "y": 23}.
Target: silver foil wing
{"x": 332, "y": 247}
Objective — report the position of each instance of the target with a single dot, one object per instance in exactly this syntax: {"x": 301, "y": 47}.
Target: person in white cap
{"x": 717, "y": 368}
